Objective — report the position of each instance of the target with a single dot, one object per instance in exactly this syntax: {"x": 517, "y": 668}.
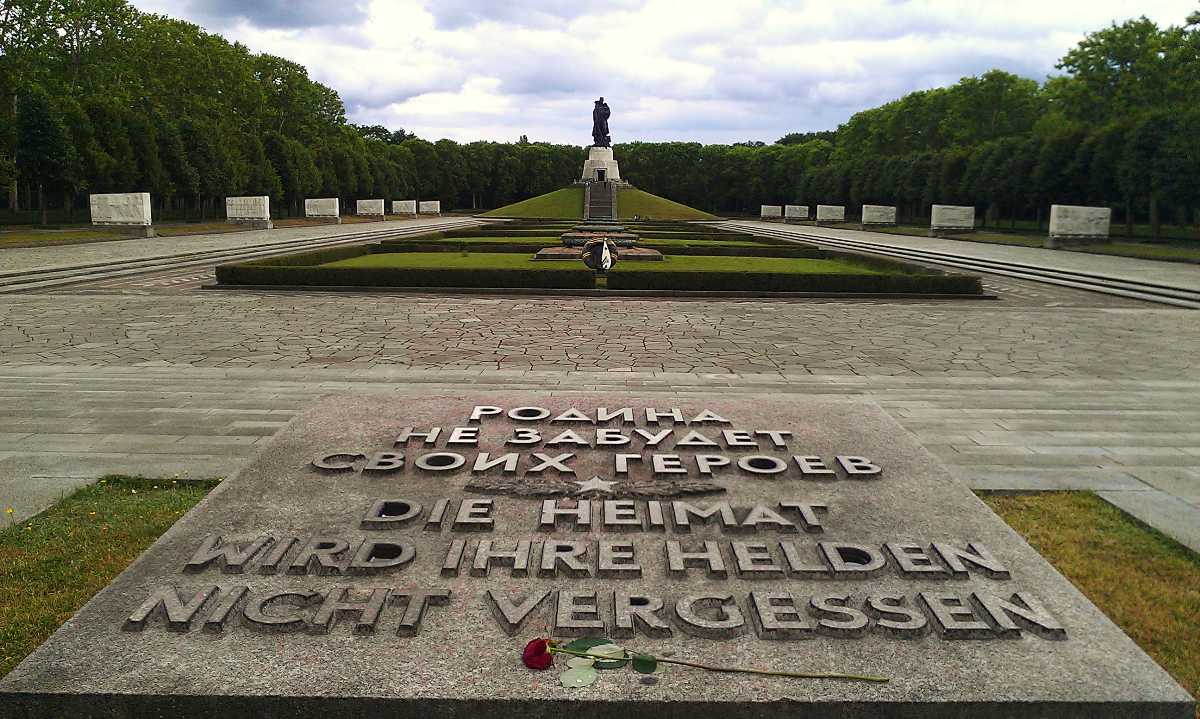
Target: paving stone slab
{"x": 145, "y": 646}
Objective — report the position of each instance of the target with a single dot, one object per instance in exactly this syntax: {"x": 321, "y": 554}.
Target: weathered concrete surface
{"x": 248, "y": 208}
{"x": 461, "y": 661}
{"x": 878, "y": 215}
{"x": 831, "y": 213}
{"x": 369, "y": 207}
{"x": 952, "y": 217}
{"x": 126, "y": 208}
{"x": 321, "y": 207}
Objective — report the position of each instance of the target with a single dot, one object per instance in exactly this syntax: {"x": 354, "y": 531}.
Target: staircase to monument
{"x": 601, "y": 201}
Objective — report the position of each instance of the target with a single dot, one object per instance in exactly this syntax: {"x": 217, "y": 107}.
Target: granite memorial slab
{"x": 430, "y": 207}
{"x": 252, "y": 211}
{"x": 951, "y": 219}
{"x": 771, "y": 212}
{"x": 404, "y": 207}
{"x": 388, "y": 555}
{"x": 1071, "y": 225}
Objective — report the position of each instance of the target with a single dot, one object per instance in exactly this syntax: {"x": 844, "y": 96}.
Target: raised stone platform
{"x": 394, "y": 557}
{"x": 580, "y": 234}
{"x": 572, "y": 253}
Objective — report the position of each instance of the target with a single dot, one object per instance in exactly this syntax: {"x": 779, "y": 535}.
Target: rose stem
{"x": 737, "y": 670}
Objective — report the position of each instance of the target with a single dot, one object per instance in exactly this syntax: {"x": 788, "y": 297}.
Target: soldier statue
{"x": 600, "y": 114}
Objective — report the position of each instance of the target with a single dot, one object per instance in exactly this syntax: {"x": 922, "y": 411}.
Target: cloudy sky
{"x": 707, "y": 70}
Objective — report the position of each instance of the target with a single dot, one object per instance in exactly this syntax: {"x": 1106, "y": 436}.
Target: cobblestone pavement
{"x": 1046, "y": 388}
{"x": 362, "y": 331}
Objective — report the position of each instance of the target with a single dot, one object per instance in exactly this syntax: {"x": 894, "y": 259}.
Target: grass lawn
{"x": 198, "y": 228}
{"x": 46, "y": 238}
{"x": 1144, "y": 581}
{"x": 51, "y": 564}
{"x": 566, "y": 203}
{"x": 703, "y": 263}
{"x": 632, "y": 202}
{"x": 452, "y": 260}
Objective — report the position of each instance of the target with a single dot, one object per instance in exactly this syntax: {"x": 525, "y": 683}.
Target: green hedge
{"x": 314, "y": 257}
{"x": 622, "y": 278}
{"x": 725, "y": 251}
{"x": 256, "y": 273}
{"x": 405, "y": 246}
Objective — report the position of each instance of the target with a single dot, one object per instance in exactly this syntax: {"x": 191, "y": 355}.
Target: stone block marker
{"x": 795, "y": 213}
{"x": 370, "y": 207}
{"x": 951, "y": 219}
{"x": 771, "y": 212}
{"x": 380, "y": 556}
{"x": 831, "y": 213}
{"x": 125, "y": 210}
{"x": 1073, "y": 225}
{"x": 252, "y": 211}
{"x": 404, "y": 207}
{"x": 878, "y": 215}
{"x": 323, "y": 209}
{"x": 431, "y": 207}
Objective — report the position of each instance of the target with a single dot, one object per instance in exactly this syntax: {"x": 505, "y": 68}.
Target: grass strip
{"x": 52, "y": 564}
{"x": 1146, "y": 582}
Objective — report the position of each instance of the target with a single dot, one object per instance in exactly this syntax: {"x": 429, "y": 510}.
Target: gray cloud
{"x": 457, "y": 14}
{"x": 704, "y": 70}
{"x": 284, "y": 14}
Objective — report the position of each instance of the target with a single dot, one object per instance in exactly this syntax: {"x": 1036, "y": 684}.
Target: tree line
{"x": 1119, "y": 127}
{"x": 96, "y": 96}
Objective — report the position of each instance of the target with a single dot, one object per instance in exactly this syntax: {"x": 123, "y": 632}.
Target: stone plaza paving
{"x": 1009, "y": 394}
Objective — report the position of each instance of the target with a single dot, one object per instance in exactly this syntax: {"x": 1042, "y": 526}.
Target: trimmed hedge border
{"x": 251, "y": 273}
{"x": 625, "y": 279}
{"x": 675, "y": 250}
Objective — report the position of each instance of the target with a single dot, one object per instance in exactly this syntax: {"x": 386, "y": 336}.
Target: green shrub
{"x": 256, "y": 273}
{"x": 623, "y": 278}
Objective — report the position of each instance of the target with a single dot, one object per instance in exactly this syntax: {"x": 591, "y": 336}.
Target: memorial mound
{"x": 396, "y": 556}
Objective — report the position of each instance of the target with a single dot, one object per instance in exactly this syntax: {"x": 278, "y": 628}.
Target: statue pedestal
{"x": 600, "y": 166}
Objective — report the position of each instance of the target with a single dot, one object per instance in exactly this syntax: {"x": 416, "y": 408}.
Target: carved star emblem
{"x": 595, "y": 484}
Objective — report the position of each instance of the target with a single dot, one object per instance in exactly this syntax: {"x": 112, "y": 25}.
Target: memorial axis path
{"x": 1008, "y": 395}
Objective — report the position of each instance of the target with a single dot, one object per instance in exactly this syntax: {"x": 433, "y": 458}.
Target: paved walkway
{"x": 351, "y": 331}
{"x": 1175, "y": 274}
{"x": 1010, "y": 396}
{"x": 1135, "y": 442}
{"x": 40, "y": 258}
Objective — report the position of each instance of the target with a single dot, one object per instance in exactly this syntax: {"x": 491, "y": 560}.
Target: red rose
{"x": 537, "y": 654}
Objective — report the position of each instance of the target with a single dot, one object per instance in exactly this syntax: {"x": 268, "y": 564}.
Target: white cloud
{"x": 706, "y": 70}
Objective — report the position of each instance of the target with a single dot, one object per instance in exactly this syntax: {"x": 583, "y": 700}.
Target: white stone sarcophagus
{"x": 370, "y": 207}
{"x": 831, "y": 213}
{"x": 951, "y": 219}
{"x": 404, "y": 207}
{"x": 878, "y": 215}
{"x": 795, "y": 213}
{"x": 326, "y": 208}
{"x": 128, "y": 210}
{"x": 430, "y": 207}
{"x": 1075, "y": 225}
{"x": 254, "y": 211}
{"x": 771, "y": 212}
